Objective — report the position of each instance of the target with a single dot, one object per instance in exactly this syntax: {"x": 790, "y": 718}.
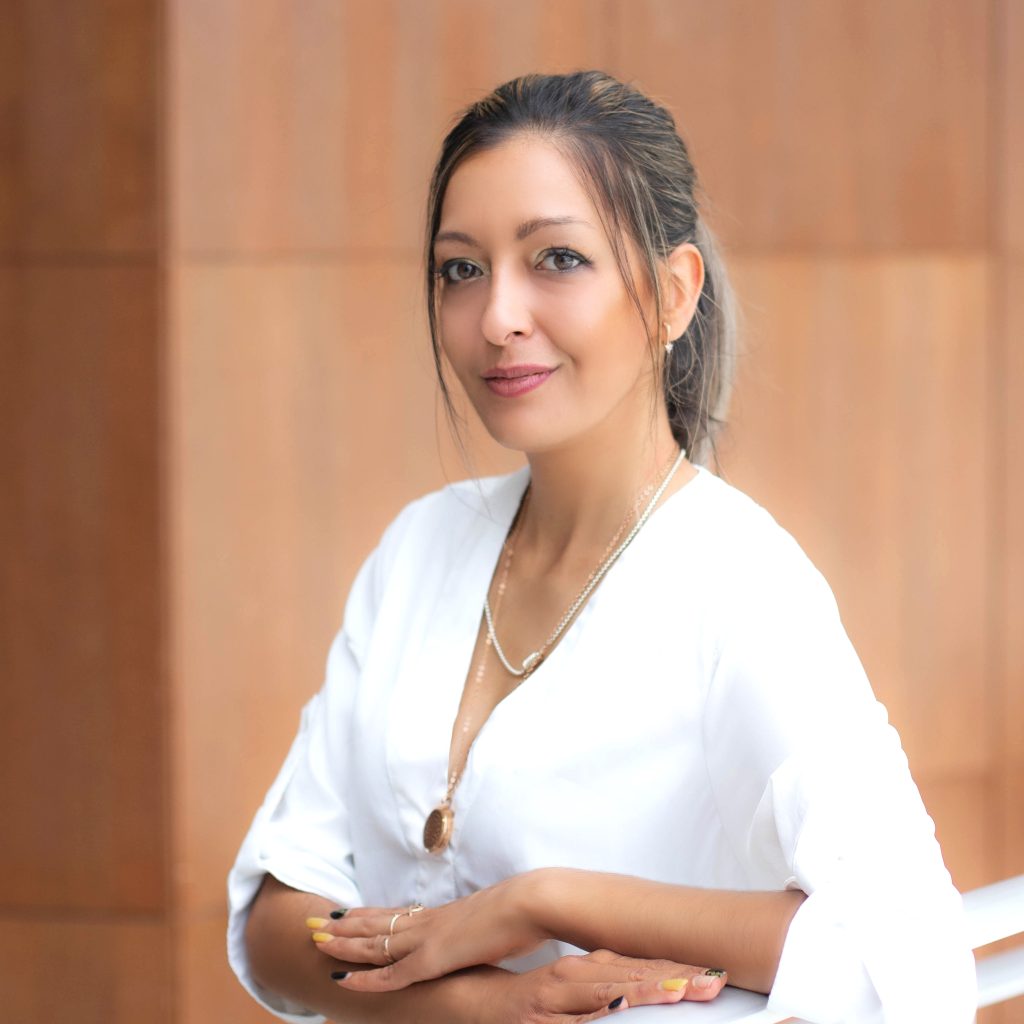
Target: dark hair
{"x": 638, "y": 174}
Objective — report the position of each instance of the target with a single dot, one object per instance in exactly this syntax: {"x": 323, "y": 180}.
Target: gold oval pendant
{"x": 438, "y": 829}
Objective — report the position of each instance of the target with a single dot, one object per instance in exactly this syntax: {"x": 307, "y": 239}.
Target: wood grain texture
{"x": 312, "y": 127}
{"x": 80, "y": 732}
{"x": 965, "y": 811}
{"x": 1010, "y": 565}
{"x": 854, "y": 124}
{"x": 108, "y": 971}
{"x": 301, "y": 401}
{"x": 859, "y": 422}
{"x": 1009, "y": 585}
{"x": 79, "y": 126}
{"x": 1008, "y": 209}
{"x": 208, "y": 991}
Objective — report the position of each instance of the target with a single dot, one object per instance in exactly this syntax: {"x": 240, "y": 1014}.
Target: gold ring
{"x": 395, "y": 917}
{"x": 387, "y": 949}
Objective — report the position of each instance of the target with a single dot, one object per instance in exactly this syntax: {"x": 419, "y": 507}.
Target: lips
{"x": 510, "y": 381}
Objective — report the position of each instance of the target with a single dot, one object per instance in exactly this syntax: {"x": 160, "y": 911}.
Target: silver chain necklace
{"x": 532, "y": 660}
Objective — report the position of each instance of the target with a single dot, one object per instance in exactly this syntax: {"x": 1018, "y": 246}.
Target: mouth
{"x": 510, "y": 381}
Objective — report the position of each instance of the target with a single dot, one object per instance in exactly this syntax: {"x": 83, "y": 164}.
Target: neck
{"x": 580, "y": 493}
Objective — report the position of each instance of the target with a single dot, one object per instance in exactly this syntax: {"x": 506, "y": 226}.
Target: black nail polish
{"x": 336, "y": 914}
{"x": 616, "y": 1003}
{"x": 715, "y": 972}
{"x": 339, "y": 975}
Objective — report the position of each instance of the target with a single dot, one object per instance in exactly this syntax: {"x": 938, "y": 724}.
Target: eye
{"x": 452, "y": 271}
{"x": 564, "y": 259}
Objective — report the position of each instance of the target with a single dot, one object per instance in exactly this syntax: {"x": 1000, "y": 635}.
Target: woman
{"x": 664, "y": 749}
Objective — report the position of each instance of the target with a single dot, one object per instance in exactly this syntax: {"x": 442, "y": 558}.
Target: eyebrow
{"x": 526, "y": 228}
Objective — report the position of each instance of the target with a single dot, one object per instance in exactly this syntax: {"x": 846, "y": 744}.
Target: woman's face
{"x": 534, "y": 317}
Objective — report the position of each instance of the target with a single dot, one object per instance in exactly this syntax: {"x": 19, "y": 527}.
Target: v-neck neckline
{"x": 504, "y": 503}
{"x": 446, "y": 658}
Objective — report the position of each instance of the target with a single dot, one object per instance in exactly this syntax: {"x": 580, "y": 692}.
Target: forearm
{"x": 285, "y": 961}
{"x": 742, "y": 932}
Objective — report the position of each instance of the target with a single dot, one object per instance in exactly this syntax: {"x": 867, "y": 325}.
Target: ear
{"x": 681, "y": 284}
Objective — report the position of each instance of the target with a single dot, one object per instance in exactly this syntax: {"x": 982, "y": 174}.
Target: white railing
{"x": 994, "y": 912}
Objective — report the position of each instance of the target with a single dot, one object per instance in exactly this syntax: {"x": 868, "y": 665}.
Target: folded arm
{"x": 739, "y": 933}
{"x": 569, "y": 990}
{"x": 284, "y": 961}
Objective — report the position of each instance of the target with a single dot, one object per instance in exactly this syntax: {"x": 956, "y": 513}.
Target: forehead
{"x": 521, "y": 178}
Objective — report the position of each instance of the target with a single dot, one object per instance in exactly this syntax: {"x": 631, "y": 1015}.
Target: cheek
{"x": 608, "y": 337}
{"x": 458, "y": 327}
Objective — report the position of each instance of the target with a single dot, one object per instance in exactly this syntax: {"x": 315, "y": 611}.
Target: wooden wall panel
{"x": 1008, "y": 211}
{"x": 1009, "y": 235}
{"x": 843, "y": 429}
{"x": 208, "y": 991}
{"x": 1010, "y": 555}
{"x": 80, "y": 732}
{"x": 78, "y": 90}
{"x": 96, "y": 972}
{"x": 878, "y": 414}
{"x": 852, "y": 124}
{"x": 304, "y": 396}
{"x": 274, "y": 149}
{"x": 966, "y": 815}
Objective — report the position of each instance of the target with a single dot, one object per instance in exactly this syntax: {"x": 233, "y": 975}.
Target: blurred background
{"x": 216, "y": 390}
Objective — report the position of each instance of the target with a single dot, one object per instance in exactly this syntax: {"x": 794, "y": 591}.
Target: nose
{"x": 506, "y": 315}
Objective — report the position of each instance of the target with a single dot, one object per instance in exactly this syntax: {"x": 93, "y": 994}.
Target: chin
{"x": 529, "y": 441}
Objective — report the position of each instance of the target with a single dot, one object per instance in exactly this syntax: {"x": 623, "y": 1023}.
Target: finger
{"x": 386, "y": 979}
{"x": 645, "y": 993}
{"x": 608, "y": 956}
{"x": 619, "y": 969}
{"x": 621, "y": 1003}
{"x": 369, "y": 950}
{"x": 603, "y": 956}
{"x": 705, "y": 985}
{"x": 578, "y": 997}
{"x": 577, "y": 1002}
{"x": 362, "y": 922}
{"x": 706, "y": 982}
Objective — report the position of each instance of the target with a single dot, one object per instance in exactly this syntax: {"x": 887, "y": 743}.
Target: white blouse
{"x": 704, "y": 722}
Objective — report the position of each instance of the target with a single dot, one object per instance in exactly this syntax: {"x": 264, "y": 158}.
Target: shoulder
{"x": 740, "y": 544}
{"x": 453, "y": 512}
{"x": 739, "y": 534}
{"x": 448, "y": 522}
{"x": 425, "y": 539}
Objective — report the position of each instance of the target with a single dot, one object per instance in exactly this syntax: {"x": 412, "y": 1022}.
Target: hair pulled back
{"x": 636, "y": 170}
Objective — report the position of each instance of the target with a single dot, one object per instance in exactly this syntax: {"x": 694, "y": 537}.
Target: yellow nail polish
{"x": 322, "y": 937}
{"x": 317, "y": 922}
{"x": 673, "y": 984}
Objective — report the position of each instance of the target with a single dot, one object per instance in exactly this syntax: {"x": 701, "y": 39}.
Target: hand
{"x": 576, "y": 989}
{"x": 485, "y": 927}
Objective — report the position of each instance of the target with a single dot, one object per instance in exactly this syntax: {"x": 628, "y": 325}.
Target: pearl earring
{"x": 668, "y": 344}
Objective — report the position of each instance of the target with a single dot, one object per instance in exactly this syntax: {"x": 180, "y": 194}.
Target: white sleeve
{"x": 815, "y": 793}
{"x": 300, "y": 834}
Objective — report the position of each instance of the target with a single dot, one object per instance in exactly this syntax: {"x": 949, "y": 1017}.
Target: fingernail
{"x": 322, "y": 937}
{"x": 616, "y": 1003}
{"x": 673, "y": 984}
{"x": 317, "y": 922}
{"x": 715, "y": 972}
{"x": 336, "y": 914}
{"x": 705, "y": 981}
{"x": 339, "y": 975}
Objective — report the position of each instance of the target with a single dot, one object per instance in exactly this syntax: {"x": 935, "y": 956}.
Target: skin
{"x": 595, "y": 432}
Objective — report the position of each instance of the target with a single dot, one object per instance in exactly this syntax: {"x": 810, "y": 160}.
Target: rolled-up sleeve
{"x": 301, "y": 834}
{"x": 815, "y": 793}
